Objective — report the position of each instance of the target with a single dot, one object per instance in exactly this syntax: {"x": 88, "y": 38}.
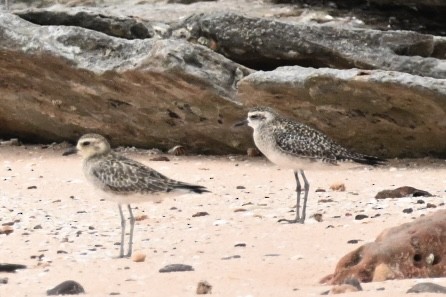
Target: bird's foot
{"x": 295, "y": 221}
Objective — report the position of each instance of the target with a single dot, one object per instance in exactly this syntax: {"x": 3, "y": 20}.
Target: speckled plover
{"x": 125, "y": 180}
{"x": 294, "y": 145}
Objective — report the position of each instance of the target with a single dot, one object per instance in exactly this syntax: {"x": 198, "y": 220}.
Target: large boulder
{"x": 59, "y": 82}
{"x": 265, "y": 44}
{"x": 411, "y": 250}
{"x": 375, "y": 112}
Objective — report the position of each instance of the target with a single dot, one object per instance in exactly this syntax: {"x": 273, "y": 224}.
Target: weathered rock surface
{"x": 427, "y": 288}
{"x": 68, "y": 287}
{"x": 411, "y": 250}
{"x": 128, "y": 28}
{"x": 400, "y": 192}
{"x": 265, "y": 44}
{"x": 374, "y": 112}
{"x": 60, "y": 82}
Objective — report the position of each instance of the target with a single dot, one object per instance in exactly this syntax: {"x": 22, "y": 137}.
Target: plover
{"x": 125, "y": 180}
{"x": 294, "y": 145}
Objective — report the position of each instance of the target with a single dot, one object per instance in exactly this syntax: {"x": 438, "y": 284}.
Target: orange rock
{"x": 411, "y": 250}
{"x": 338, "y": 187}
{"x": 138, "y": 257}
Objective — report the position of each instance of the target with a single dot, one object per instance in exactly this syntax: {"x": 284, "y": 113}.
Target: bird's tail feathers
{"x": 191, "y": 188}
{"x": 367, "y": 160}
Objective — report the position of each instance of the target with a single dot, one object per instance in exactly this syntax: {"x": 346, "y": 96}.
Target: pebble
{"x": 408, "y": 210}
{"x": 361, "y": 217}
{"x": 5, "y": 267}
{"x": 231, "y": 257}
{"x": 204, "y": 287}
{"x": 353, "y": 241}
{"x": 66, "y": 288}
{"x": 176, "y": 268}
{"x": 141, "y": 218}
{"x": 430, "y": 205}
{"x": 338, "y": 187}
{"x": 6, "y": 230}
{"x": 138, "y": 257}
{"x": 200, "y": 214}
{"x": 3, "y": 280}
{"x": 240, "y": 245}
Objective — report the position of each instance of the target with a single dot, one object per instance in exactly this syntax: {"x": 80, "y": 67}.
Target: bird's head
{"x": 90, "y": 145}
{"x": 259, "y": 116}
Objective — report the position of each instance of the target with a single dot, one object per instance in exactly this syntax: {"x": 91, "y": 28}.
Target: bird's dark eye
{"x": 254, "y": 116}
{"x": 85, "y": 143}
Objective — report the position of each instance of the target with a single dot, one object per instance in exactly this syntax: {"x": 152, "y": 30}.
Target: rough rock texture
{"x": 128, "y": 28}
{"x": 400, "y": 192}
{"x": 411, "y": 250}
{"x": 265, "y": 44}
{"x": 60, "y": 82}
{"x": 375, "y": 112}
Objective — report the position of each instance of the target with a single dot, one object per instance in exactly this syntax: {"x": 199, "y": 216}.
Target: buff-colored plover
{"x": 293, "y": 145}
{"x": 125, "y": 180}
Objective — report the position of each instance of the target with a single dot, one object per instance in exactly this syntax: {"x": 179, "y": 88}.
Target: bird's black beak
{"x": 70, "y": 151}
{"x": 241, "y": 123}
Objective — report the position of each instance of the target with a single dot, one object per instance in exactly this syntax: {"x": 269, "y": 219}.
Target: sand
{"x": 63, "y": 231}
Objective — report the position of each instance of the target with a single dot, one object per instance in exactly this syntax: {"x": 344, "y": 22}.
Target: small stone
{"x": 160, "y": 158}
{"x": 204, "y": 287}
{"x": 420, "y": 201}
{"x": 240, "y": 209}
{"x": 176, "y": 268}
{"x": 141, "y": 218}
{"x": 361, "y": 217}
{"x": 200, "y": 214}
{"x": 6, "y": 230}
{"x": 240, "y": 187}
{"x": 240, "y": 245}
{"x": 5, "y": 267}
{"x": 61, "y": 252}
{"x": 138, "y": 257}
{"x": 338, "y": 187}
{"x": 408, "y": 210}
{"x": 32, "y": 187}
{"x": 430, "y": 205}
{"x": 66, "y": 288}
{"x": 231, "y": 257}
{"x": 427, "y": 287}
{"x": 325, "y": 200}
{"x": 37, "y": 227}
{"x": 320, "y": 190}
{"x": 3, "y": 280}
{"x": 317, "y": 217}
{"x": 353, "y": 241}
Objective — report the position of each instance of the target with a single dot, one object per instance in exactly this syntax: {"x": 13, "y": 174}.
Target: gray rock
{"x": 373, "y": 112}
{"x": 128, "y": 28}
{"x": 176, "y": 268}
{"x": 68, "y": 287}
{"x": 59, "y": 82}
{"x": 427, "y": 288}
{"x": 265, "y": 44}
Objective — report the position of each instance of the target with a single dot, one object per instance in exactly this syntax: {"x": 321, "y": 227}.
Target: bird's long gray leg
{"x": 132, "y": 225}
{"x": 298, "y": 189}
{"x": 121, "y": 249}
{"x": 307, "y": 189}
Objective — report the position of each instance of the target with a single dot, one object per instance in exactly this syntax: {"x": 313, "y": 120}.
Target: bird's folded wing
{"x": 128, "y": 176}
{"x": 304, "y": 142}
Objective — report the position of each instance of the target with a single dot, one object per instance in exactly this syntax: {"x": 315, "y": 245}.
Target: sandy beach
{"x": 63, "y": 231}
